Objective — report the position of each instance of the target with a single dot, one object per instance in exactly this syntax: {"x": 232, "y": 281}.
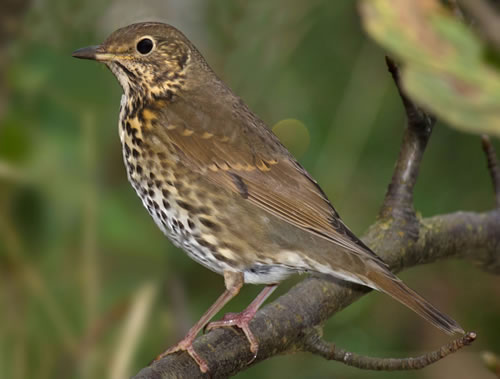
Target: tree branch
{"x": 314, "y": 344}
{"x": 487, "y": 19}
{"x": 399, "y": 237}
{"x": 398, "y": 201}
{"x": 491, "y": 158}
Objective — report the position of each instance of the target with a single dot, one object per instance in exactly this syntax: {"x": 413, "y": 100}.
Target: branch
{"x": 487, "y": 19}
{"x": 398, "y": 201}
{"x": 399, "y": 237}
{"x": 491, "y": 158}
{"x": 314, "y": 344}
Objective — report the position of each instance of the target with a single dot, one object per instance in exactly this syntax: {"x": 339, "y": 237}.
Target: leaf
{"x": 445, "y": 65}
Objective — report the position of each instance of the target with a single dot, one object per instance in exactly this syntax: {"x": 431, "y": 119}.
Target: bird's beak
{"x": 96, "y": 53}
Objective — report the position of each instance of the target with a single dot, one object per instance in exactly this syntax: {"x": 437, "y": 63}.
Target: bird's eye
{"x": 144, "y": 46}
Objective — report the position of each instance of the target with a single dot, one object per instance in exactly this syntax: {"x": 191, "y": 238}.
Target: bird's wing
{"x": 234, "y": 149}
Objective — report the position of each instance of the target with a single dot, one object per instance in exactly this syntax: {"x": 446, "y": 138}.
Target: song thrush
{"x": 222, "y": 187}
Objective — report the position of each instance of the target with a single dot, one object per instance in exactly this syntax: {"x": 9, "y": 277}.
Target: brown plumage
{"x": 221, "y": 186}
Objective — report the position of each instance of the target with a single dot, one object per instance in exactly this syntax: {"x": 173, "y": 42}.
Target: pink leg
{"x": 233, "y": 282}
{"x": 242, "y": 319}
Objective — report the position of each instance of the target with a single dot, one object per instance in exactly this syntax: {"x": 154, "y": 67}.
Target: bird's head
{"x": 149, "y": 58}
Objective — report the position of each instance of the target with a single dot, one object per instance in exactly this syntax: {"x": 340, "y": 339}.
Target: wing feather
{"x": 227, "y": 144}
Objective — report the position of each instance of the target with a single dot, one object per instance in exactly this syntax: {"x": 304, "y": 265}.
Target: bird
{"x": 222, "y": 187}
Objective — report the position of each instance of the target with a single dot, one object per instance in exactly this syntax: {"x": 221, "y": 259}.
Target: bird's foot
{"x": 186, "y": 345}
{"x": 242, "y": 321}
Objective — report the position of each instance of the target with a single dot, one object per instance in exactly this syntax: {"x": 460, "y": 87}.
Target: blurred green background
{"x": 90, "y": 288}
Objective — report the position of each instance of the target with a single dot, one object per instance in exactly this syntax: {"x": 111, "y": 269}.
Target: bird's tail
{"x": 395, "y": 288}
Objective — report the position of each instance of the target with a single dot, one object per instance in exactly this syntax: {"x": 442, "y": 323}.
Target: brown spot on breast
{"x": 128, "y": 128}
{"x": 201, "y": 195}
{"x": 205, "y": 210}
{"x": 185, "y": 205}
{"x": 206, "y": 244}
{"x": 223, "y": 258}
{"x": 230, "y": 246}
{"x": 218, "y": 203}
{"x": 210, "y": 224}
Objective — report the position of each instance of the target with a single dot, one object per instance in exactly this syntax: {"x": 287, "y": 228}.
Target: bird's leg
{"x": 242, "y": 319}
{"x": 233, "y": 282}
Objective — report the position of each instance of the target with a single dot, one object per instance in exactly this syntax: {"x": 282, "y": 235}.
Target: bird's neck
{"x": 135, "y": 114}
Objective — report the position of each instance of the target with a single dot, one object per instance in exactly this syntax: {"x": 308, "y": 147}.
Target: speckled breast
{"x": 155, "y": 182}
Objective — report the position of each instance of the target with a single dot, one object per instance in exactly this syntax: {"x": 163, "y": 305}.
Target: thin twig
{"x": 493, "y": 167}
{"x": 453, "y": 4}
{"x": 398, "y": 201}
{"x": 314, "y": 344}
{"x": 486, "y": 17}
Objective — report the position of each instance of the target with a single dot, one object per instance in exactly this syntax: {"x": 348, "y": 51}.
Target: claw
{"x": 242, "y": 321}
{"x": 233, "y": 282}
{"x": 185, "y": 345}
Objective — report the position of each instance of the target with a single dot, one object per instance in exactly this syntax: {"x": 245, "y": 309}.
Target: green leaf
{"x": 445, "y": 65}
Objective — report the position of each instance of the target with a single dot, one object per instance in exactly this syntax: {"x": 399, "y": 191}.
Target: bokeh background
{"x": 90, "y": 288}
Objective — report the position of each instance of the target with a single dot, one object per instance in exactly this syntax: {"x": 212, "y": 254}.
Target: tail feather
{"x": 395, "y": 288}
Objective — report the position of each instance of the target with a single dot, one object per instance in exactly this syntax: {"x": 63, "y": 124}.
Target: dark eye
{"x": 145, "y": 45}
